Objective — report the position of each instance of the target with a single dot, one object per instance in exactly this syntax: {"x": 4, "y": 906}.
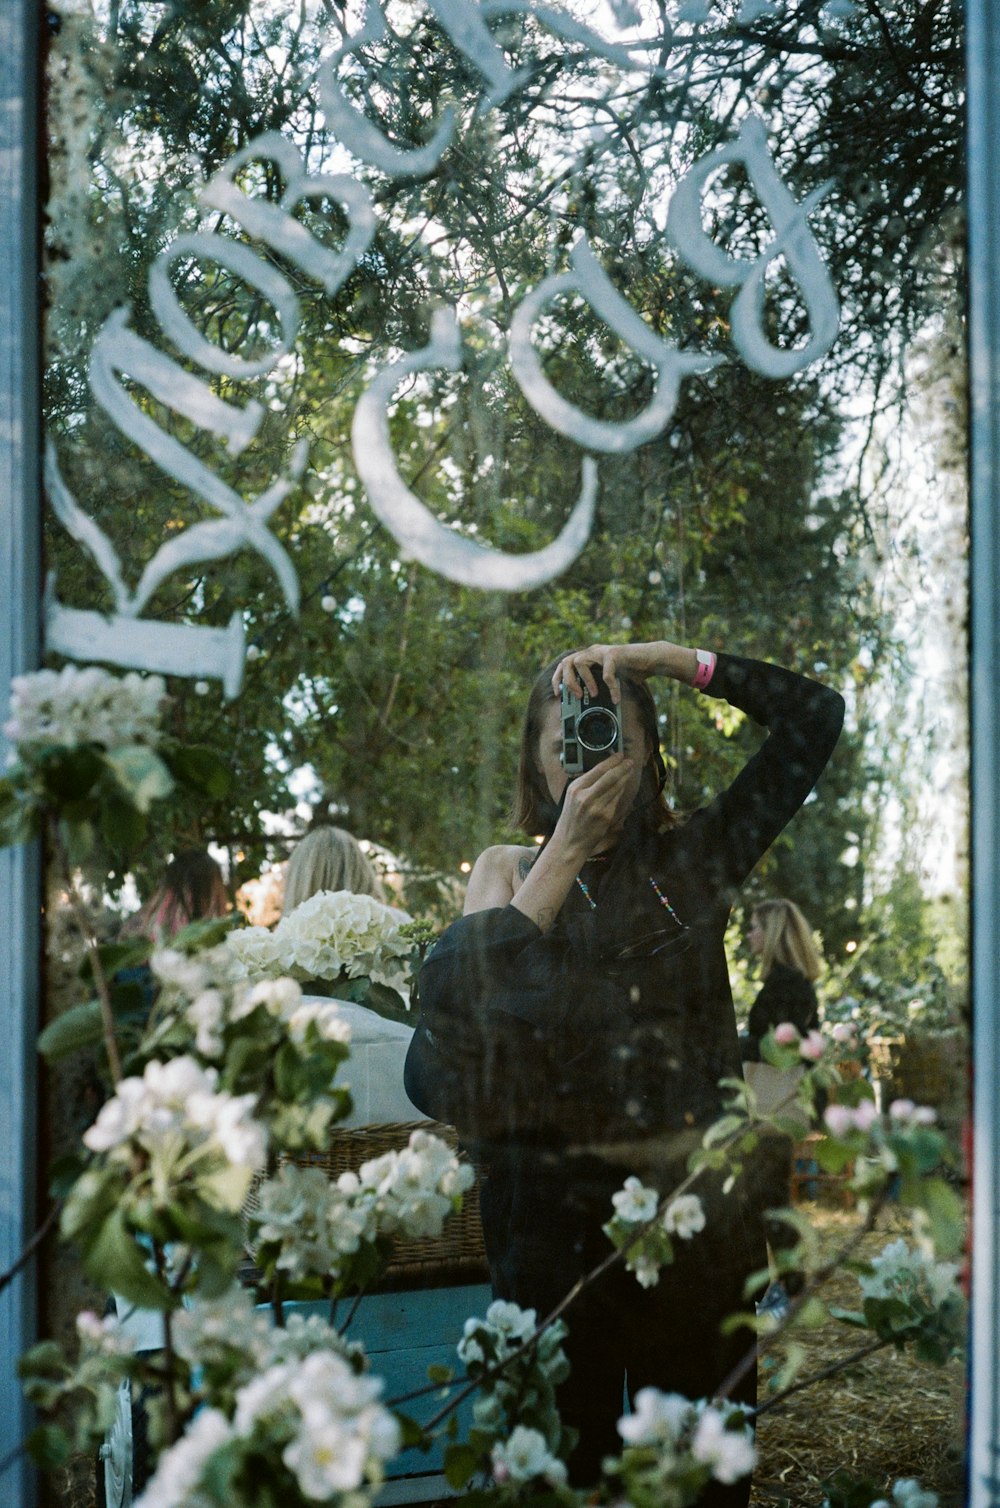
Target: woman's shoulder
{"x": 498, "y": 874}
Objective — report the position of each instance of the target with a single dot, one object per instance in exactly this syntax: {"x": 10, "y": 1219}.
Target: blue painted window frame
{"x": 20, "y": 598}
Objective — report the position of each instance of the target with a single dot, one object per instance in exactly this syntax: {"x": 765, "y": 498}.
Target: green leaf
{"x": 71, "y": 774}
{"x": 414, "y": 1436}
{"x": 944, "y": 1208}
{"x": 438, "y": 1373}
{"x": 123, "y": 826}
{"x": 94, "y": 1193}
{"x": 43, "y": 1360}
{"x": 78, "y": 839}
{"x": 201, "y": 769}
{"x": 48, "y": 1446}
{"x": 141, "y": 773}
{"x": 205, "y": 933}
{"x": 460, "y": 1464}
{"x": 849, "y": 1317}
{"x": 114, "y": 1259}
{"x": 78, "y": 1028}
{"x": 118, "y": 955}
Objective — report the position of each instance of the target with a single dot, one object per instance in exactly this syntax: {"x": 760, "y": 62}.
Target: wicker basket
{"x": 456, "y": 1256}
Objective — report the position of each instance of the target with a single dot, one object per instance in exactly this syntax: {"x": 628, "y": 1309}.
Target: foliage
{"x": 735, "y": 527}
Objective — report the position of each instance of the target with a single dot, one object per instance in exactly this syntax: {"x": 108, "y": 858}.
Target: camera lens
{"x": 597, "y": 729}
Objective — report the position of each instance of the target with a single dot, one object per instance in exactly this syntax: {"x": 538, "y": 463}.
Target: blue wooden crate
{"x": 403, "y": 1334}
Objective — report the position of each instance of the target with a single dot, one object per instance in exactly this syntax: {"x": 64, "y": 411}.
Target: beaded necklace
{"x": 663, "y": 900}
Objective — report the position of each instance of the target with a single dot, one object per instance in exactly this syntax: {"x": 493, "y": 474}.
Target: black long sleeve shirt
{"x": 618, "y": 1022}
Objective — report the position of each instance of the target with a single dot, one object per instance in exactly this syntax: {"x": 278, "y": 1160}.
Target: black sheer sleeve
{"x": 803, "y": 719}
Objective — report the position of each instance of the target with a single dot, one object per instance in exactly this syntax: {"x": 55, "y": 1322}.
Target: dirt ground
{"x": 890, "y": 1416}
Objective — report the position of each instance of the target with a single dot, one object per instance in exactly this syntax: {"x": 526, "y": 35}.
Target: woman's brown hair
{"x": 533, "y": 809}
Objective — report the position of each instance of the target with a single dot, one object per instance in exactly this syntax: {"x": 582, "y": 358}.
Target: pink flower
{"x": 844, "y": 1032}
{"x": 812, "y": 1047}
{"x": 865, "y": 1115}
{"x": 839, "y": 1119}
{"x": 901, "y": 1110}
{"x": 785, "y": 1035}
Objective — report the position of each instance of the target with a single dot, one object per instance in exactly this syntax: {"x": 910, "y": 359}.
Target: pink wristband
{"x": 706, "y": 669}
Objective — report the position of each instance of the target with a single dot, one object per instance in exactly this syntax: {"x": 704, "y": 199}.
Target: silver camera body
{"x": 591, "y": 729}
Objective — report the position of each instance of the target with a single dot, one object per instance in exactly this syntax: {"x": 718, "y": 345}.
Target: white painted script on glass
{"x": 119, "y": 352}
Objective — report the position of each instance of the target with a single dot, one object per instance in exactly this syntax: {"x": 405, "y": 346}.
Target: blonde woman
{"x": 790, "y": 962}
{"x": 328, "y": 858}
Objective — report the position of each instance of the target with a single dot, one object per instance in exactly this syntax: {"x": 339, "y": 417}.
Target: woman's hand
{"x": 659, "y": 657}
{"x": 594, "y": 809}
{"x": 595, "y": 806}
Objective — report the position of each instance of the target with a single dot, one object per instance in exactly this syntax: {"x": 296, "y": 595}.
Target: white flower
{"x": 646, "y": 1269}
{"x": 684, "y": 1216}
{"x": 731, "y": 1453}
{"x": 179, "y": 971}
{"x": 176, "y": 1116}
{"x": 469, "y": 1349}
{"x": 656, "y": 1419}
{"x": 634, "y": 1203}
{"x": 334, "y": 932}
{"x": 79, "y": 705}
{"x": 325, "y": 1016}
{"x": 180, "y": 1469}
{"x": 908, "y": 1493}
{"x": 526, "y": 1456}
{"x": 207, "y": 1330}
{"x": 343, "y": 1433}
{"x": 207, "y": 1015}
{"x": 510, "y": 1320}
{"x": 899, "y": 1272}
{"x": 279, "y": 997}
{"x": 105, "y": 1336}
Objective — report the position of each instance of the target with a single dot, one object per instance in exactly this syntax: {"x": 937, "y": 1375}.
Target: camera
{"x": 591, "y": 729}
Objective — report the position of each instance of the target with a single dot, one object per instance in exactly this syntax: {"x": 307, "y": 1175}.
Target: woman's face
{"x": 755, "y": 937}
{"x": 635, "y": 744}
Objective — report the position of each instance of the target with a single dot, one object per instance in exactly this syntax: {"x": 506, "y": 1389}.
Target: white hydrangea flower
{"x": 179, "y": 1470}
{"x": 334, "y": 932}
{"x": 256, "y": 951}
{"x": 730, "y": 1453}
{"x": 684, "y": 1216}
{"x": 79, "y": 705}
{"x": 526, "y": 1456}
{"x": 656, "y": 1419}
{"x": 635, "y": 1203}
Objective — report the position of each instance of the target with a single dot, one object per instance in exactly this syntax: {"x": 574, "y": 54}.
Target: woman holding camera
{"x": 577, "y": 1020}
